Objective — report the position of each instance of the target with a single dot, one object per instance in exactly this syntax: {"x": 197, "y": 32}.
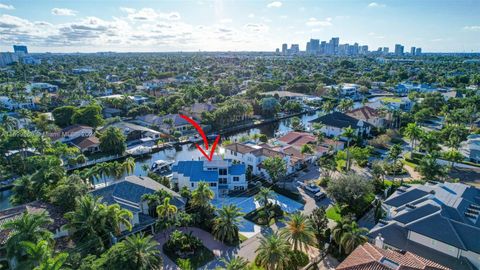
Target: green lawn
{"x": 333, "y": 213}
{"x": 391, "y": 99}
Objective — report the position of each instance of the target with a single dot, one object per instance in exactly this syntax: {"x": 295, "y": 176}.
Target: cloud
{"x": 315, "y": 22}
{"x": 472, "y": 28}
{"x": 63, "y": 12}
{"x": 226, "y": 20}
{"x": 376, "y": 5}
{"x": 275, "y": 4}
{"x": 256, "y": 27}
{"x": 8, "y": 7}
{"x": 149, "y": 14}
{"x": 251, "y": 15}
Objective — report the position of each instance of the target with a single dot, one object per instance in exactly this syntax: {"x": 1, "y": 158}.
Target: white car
{"x": 312, "y": 188}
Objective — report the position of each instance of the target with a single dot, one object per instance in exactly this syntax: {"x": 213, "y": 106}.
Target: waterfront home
{"x": 71, "y": 133}
{"x": 42, "y": 87}
{"x": 222, "y": 175}
{"x": 167, "y": 124}
{"x": 297, "y": 140}
{"x": 370, "y": 115}
{"x": 33, "y": 207}
{"x": 372, "y": 257}
{"x": 128, "y": 193}
{"x": 439, "y": 221}
{"x": 253, "y": 155}
{"x": 471, "y": 148}
{"x": 335, "y": 124}
{"x": 135, "y": 132}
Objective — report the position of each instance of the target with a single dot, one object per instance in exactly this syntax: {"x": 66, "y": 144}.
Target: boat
{"x": 139, "y": 150}
{"x": 162, "y": 167}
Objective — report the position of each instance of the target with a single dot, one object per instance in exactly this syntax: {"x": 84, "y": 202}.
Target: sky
{"x": 240, "y": 25}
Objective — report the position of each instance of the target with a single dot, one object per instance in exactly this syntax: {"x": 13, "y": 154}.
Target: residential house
{"x": 136, "y": 99}
{"x": 371, "y": 257}
{"x": 335, "y": 124}
{"x": 134, "y": 132}
{"x": 298, "y": 139}
{"x": 79, "y": 136}
{"x": 42, "y": 87}
{"x": 167, "y": 123}
{"x": 16, "y": 212}
{"x": 128, "y": 193}
{"x": 439, "y": 221}
{"x": 222, "y": 175}
{"x": 252, "y": 155}
{"x": 370, "y": 115}
{"x": 12, "y": 104}
{"x": 471, "y": 148}
{"x": 197, "y": 109}
{"x": 90, "y": 144}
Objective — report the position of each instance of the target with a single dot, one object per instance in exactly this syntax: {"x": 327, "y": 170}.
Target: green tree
{"x": 429, "y": 168}
{"x": 353, "y": 236}
{"x": 236, "y": 263}
{"x": 299, "y": 231}
{"x": 112, "y": 141}
{"x": 63, "y": 115}
{"x": 273, "y": 252}
{"x": 453, "y": 155}
{"x": 67, "y": 191}
{"x": 319, "y": 221}
{"x": 90, "y": 115}
{"x": 276, "y": 168}
{"x": 202, "y": 195}
{"x": 27, "y": 228}
{"x": 306, "y": 149}
{"x": 414, "y": 133}
{"x": 348, "y": 133}
{"x": 226, "y": 224}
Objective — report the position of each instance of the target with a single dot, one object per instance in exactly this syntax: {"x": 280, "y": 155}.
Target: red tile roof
{"x": 370, "y": 257}
{"x": 364, "y": 113}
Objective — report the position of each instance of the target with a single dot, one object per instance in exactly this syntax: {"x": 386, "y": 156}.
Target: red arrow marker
{"x": 205, "y": 141}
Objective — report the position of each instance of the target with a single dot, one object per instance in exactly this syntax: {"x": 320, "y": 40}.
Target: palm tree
{"x": 225, "y": 225}
{"x": 413, "y": 132}
{"x": 264, "y": 196}
{"x": 166, "y": 210}
{"x": 202, "y": 195}
{"x": 145, "y": 168}
{"x": 142, "y": 252}
{"x": 236, "y": 263}
{"x": 36, "y": 253}
{"x": 272, "y": 254}
{"x": 453, "y": 155}
{"x": 345, "y": 105}
{"x": 30, "y": 228}
{"x": 299, "y": 231}
{"x": 116, "y": 217}
{"x": 353, "y": 236}
{"x": 53, "y": 263}
{"x": 338, "y": 232}
{"x": 184, "y": 264}
{"x": 348, "y": 133}
{"x": 306, "y": 149}
{"x": 129, "y": 165}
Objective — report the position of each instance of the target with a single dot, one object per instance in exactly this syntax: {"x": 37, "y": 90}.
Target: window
{"x": 222, "y": 181}
{"x": 222, "y": 171}
{"x": 192, "y": 184}
{"x": 213, "y": 184}
{"x": 236, "y": 178}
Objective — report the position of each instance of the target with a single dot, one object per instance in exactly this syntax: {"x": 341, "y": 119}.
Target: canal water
{"x": 190, "y": 152}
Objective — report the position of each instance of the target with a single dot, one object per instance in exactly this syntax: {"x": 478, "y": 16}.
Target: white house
{"x": 71, "y": 133}
{"x": 335, "y": 124}
{"x": 223, "y": 175}
{"x": 371, "y": 116}
{"x": 12, "y": 104}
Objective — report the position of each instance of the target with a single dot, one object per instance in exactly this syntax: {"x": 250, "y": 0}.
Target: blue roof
{"x": 237, "y": 169}
{"x": 194, "y": 170}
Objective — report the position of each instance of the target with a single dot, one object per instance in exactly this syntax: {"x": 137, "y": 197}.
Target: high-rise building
{"x": 398, "y": 49}
{"x": 363, "y": 49}
{"x": 22, "y": 49}
{"x": 7, "y": 58}
{"x": 335, "y": 42}
{"x": 412, "y": 51}
{"x": 294, "y": 49}
{"x": 313, "y": 46}
{"x": 385, "y": 50}
{"x": 418, "y": 51}
{"x": 284, "y": 48}
{"x": 277, "y": 50}
{"x": 323, "y": 47}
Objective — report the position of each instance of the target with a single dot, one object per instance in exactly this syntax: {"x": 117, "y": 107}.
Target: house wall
{"x": 86, "y": 132}
{"x": 473, "y": 257}
{"x": 434, "y": 244}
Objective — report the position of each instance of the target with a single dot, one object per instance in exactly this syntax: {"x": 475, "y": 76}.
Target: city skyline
{"x": 61, "y": 26}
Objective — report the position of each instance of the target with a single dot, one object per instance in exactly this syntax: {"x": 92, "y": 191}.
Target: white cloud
{"x": 256, "y": 27}
{"x": 127, "y": 9}
{"x": 63, "y": 12}
{"x": 226, "y": 20}
{"x": 472, "y": 28}
{"x": 376, "y": 5}
{"x": 315, "y": 22}
{"x": 148, "y": 14}
{"x": 275, "y": 4}
{"x": 8, "y": 7}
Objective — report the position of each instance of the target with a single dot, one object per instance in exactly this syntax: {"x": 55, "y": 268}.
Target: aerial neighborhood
{"x": 339, "y": 156}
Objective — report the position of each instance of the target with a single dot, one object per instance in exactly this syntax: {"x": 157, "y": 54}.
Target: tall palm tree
{"x": 348, "y": 133}
{"x": 142, "y": 252}
{"x": 29, "y": 227}
{"x": 272, "y": 254}
{"x": 226, "y": 224}
{"x": 338, "y": 232}
{"x": 202, "y": 195}
{"x": 236, "y": 263}
{"x": 53, "y": 263}
{"x": 35, "y": 253}
{"x": 129, "y": 165}
{"x": 299, "y": 231}
{"x": 353, "y": 236}
{"x": 166, "y": 210}
{"x": 413, "y": 132}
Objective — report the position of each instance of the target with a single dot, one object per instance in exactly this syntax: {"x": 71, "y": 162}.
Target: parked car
{"x": 312, "y": 188}
{"x": 319, "y": 196}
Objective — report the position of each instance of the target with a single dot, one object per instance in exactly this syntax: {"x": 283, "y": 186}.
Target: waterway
{"x": 189, "y": 151}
